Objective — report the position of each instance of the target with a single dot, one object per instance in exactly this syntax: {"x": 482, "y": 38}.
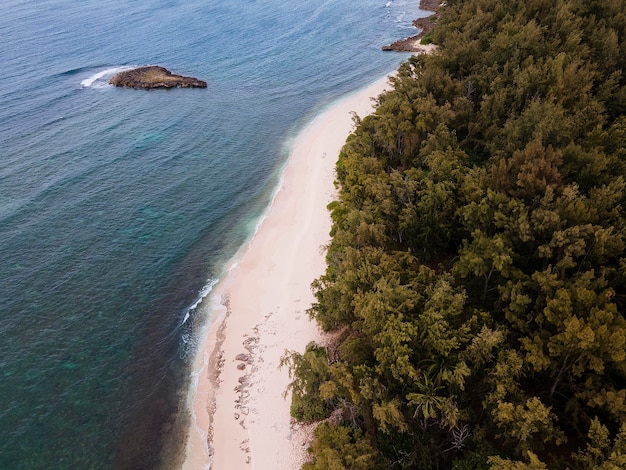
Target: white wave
{"x": 206, "y": 290}
{"x": 96, "y": 79}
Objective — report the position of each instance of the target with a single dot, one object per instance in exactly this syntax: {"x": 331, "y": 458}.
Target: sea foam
{"x": 100, "y": 79}
{"x": 206, "y": 290}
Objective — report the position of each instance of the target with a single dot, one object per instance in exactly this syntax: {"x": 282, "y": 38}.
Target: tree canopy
{"x": 476, "y": 278}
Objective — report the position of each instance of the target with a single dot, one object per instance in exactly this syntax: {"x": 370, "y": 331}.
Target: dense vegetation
{"x": 476, "y": 280}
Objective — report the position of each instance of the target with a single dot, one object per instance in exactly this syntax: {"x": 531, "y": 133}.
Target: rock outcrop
{"x": 413, "y": 44}
{"x": 154, "y": 77}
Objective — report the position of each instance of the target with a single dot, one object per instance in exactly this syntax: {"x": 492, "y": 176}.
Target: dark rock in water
{"x": 154, "y": 77}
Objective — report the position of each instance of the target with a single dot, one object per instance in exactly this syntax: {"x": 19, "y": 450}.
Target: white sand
{"x": 420, "y": 48}
{"x": 240, "y": 418}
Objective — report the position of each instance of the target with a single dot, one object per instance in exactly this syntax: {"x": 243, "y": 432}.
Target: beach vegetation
{"x": 427, "y": 39}
{"x": 476, "y": 278}
{"x": 309, "y": 371}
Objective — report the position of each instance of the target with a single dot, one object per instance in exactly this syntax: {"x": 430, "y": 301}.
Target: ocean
{"x": 120, "y": 208}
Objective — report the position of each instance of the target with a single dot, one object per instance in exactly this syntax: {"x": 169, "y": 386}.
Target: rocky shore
{"x": 154, "y": 77}
{"x": 413, "y": 43}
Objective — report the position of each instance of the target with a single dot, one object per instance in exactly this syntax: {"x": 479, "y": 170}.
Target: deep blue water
{"x": 119, "y": 208}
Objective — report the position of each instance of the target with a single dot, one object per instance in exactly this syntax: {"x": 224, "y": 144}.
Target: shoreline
{"x": 239, "y": 411}
{"x": 425, "y": 24}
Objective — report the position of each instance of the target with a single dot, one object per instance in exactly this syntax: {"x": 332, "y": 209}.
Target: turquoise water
{"x": 119, "y": 208}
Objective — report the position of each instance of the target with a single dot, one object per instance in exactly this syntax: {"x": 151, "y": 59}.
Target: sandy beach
{"x": 240, "y": 415}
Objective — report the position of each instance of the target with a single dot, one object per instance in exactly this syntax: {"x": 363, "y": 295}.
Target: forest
{"x": 476, "y": 280}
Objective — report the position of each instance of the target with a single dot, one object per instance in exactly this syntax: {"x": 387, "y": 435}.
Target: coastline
{"x": 239, "y": 411}
{"x": 425, "y": 24}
